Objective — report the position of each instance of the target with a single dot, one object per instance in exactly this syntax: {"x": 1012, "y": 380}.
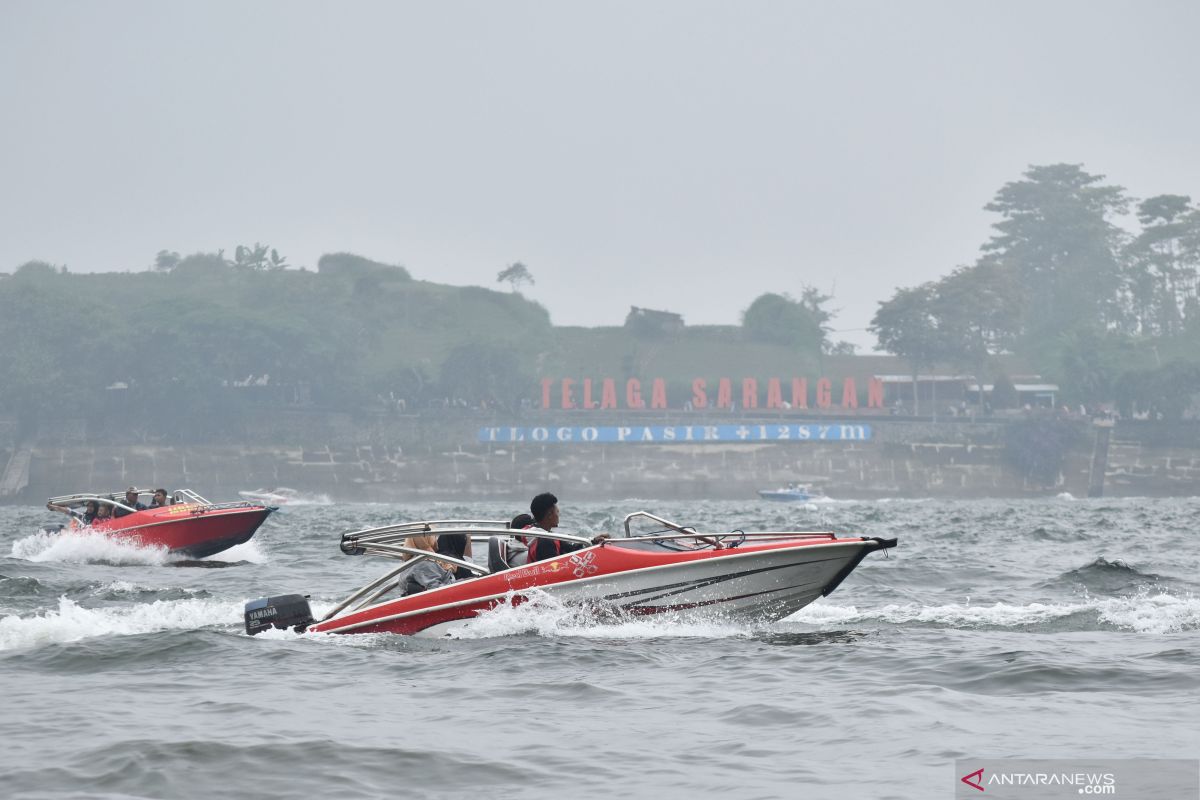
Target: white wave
{"x": 1064, "y": 496}
{"x": 72, "y": 622}
{"x": 85, "y": 547}
{"x": 822, "y": 499}
{"x": 1142, "y": 613}
{"x": 122, "y": 588}
{"x": 247, "y": 551}
{"x": 91, "y": 547}
{"x": 1159, "y": 613}
{"x": 544, "y": 615}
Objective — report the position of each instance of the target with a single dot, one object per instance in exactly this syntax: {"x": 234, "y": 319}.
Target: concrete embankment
{"x": 442, "y": 458}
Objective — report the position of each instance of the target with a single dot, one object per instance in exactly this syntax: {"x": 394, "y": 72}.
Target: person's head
{"x": 544, "y": 509}
{"x": 103, "y": 510}
{"x": 520, "y": 522}
{"x": 131, "y": 495}
{"x": 160, "y": 497}
{"x": 423, "y": 541}
{"x": 90, "y": 507}
{"x": 429, "y": 542}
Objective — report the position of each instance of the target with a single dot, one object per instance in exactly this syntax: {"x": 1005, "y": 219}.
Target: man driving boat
{"x": 131, "y": 500}
{"x": 544, "y": 510}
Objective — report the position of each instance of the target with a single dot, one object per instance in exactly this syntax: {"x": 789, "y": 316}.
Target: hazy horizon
{"x": 684, "y": 156}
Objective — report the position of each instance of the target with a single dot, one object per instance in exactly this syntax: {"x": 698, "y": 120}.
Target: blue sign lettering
{"x": 679, "y": 434}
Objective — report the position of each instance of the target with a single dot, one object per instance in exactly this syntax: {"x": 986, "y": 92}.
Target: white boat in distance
{"x": 792, "y": 493}
{"x": 282, "y": 496}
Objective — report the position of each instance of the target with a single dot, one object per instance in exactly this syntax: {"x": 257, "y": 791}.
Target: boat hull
{"x": 186, "y": 529}
{"x": 764, "y": 581}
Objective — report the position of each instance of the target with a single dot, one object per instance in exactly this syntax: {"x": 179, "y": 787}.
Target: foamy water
{"x": 1142, "y": 613}
{"x": 85, "y": 547}
{"x": 1031, "y": 629}
{"x": 71, "y": 622}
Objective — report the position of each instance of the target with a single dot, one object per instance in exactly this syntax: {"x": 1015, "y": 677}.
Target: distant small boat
{"x": 271, "y": 497}
{"x": 792, "y": 493}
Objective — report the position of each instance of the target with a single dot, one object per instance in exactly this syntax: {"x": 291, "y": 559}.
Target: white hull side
{"x": 765, "y": 585}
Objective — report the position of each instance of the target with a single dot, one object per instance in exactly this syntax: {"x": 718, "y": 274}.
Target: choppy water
{"x": 1040, "y": 629}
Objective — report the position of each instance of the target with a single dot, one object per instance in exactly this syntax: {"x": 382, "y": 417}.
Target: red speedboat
{"x": 188, "y": 525}
{"x": 765, "y": 575}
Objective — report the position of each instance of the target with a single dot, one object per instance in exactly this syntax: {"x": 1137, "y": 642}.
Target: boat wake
{"x": 71, "y": 622}
{"x": 544, "y": 615}
{"x": 246, "y": 553}
{"x": 91, "y": 547}
{"x": 1143, "y": 612}
{"x": 85, "y": 547}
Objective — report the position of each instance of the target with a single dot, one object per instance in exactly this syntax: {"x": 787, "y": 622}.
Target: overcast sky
{"x": 679, "y": 155}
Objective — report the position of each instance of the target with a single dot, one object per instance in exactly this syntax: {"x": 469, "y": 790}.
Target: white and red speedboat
{"x": 188, "y": 525}
{"x": 767, "y": 575}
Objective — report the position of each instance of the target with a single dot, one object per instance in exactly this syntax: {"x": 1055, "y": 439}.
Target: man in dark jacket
{"x": 131, "y": 500}
{"x": 544, "y": 510}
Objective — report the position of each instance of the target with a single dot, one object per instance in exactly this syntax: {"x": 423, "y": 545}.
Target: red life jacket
{"x": 536, "y": 542}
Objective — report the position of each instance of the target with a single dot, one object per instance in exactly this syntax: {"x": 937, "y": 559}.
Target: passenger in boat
{"x": 131, "y": 500}
{"x": 544, "y": 510}
{"x": 84, "y": 517}
{"x": 519, "y": 523}
{"x": 456, "y": 545}
{"x": 428, "y": 573}
{"x": 103, "y": 513}
{"x": 160, "y": 499}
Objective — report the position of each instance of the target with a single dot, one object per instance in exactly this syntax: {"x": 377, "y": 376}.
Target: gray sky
{"x": 679, "y": 155}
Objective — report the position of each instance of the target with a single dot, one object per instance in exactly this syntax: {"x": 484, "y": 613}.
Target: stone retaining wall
{"x": 440, "y": 459}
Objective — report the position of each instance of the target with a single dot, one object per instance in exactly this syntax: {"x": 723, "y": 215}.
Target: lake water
{"x": 1034, "y": 629}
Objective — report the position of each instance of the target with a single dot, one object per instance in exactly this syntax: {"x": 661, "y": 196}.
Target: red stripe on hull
{"x": 186, "y": 529}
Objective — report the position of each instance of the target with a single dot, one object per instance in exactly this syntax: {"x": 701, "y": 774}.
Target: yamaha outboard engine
{"x": 284, "y": 611}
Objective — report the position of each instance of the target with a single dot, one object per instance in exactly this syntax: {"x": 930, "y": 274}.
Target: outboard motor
{"x": 284, "y": 611}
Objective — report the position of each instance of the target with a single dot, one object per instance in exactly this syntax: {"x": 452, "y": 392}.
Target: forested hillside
{"x": 201, "y": 337}
{"x": 1104, "y": 303}
{"x": 180, "y": 340}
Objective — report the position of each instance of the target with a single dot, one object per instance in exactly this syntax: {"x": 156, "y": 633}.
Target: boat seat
{"x": 505, "y": 552}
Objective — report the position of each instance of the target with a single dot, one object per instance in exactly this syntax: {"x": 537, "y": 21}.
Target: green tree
{"x": 484, "y": 372}
{"x": 202, "y": 265}
{"x": 1165, "y": 391}
{"x": 166, "y": 260}
{"x": 779, "y": 319}
{"x": 37, "y": 271}
{"x": 260, "y": 257}
{"x": 516, "y": 275}
{"x": 907, "y": 326}
{"x": 977, "y": 313}
{"x": 350, "y": 265}
{"x": 1089, "y": 361}
{"x": 1057, "y": 240}
{"x": 1161, "y": 266}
